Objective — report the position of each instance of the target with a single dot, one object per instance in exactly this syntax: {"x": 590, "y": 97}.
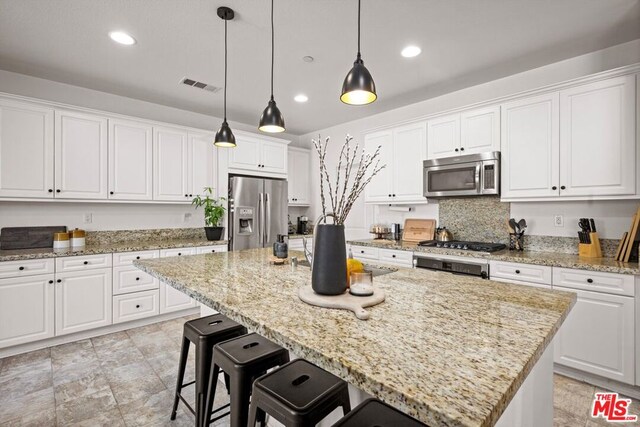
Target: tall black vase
{"x": 329, "y": 273}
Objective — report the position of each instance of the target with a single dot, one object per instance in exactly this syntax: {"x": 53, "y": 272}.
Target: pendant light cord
{"x": 358, "y": 29}
{"x": 225, "y": 70}
{"x": 272, "y": 49}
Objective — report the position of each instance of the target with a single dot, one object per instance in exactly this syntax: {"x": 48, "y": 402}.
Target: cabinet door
{"x": 598, "y": 336}
{"x": 273, "y": 157}
{"x": 202, "y": 164}
{"x": 409, "y": 151}
{"x": 83, "y": 300}
{"x": 26, "y": 150}
{"x": 291, "y": 177}
{"x": 80, "y": 156}
{"x": 26, "y": 309}
{"x": 246, "y": 155}
{"x": 530, "y": 147}
{"x": 173, "y": 300}
{"x": 380, "y": 188}
{"x": 298, "y": 177}
{"x": 443, "y": 137}
{"x": 597, "y": 138}
{"x": 480, "y": 130}
{"x": 170, "y": 165}
{"x": 130, "y": 160}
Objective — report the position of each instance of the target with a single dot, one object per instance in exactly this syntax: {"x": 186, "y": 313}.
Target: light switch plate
{"x": 88, "y": 218}
{"x": 558, "y": 221}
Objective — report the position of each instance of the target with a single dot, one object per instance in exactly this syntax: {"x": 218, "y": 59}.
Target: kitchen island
{"x": 448, "y": 350}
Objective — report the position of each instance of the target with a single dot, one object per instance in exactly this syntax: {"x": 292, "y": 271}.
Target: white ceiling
{"x": 464, "y": 42}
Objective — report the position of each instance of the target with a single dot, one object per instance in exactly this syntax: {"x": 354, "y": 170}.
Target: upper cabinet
{"x": 259, "y": 155}
{"x": 473, "y": 131}
{"x": 576, "y": 143}
{"x": 402, "y": 151}
{"x": 597, "y": 138}
{"x": 298, "y": 177}
{"x": 202, "y": 161}
{"x": 26, "y": 150}
{"x": 130, "y": 160}
{"x": 170, "y": 164}
{"x": 80, "y": 155}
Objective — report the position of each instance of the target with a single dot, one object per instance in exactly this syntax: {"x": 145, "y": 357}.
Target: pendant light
{"x": 358, "y": 87}
{"x": 271, "y": 120}
{"x": 224, "y": 136}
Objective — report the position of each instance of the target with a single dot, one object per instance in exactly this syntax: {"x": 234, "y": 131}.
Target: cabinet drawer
{"x": 130, "y": 279}
{"x": 211, "y": 249}
{"x": 396, "y": 257}
{"x": 610, "y": 283}
{"x": 127, "y": 258}
{"x": 26, "y": 268}
{"x": 80, "y": 263}
{"x": 520, "y": 272}
{"x": 365, "y": 252}
{"x": 135, "y": 306}
{"x": 520, "y": 282}
{"x": 177, "y": 252}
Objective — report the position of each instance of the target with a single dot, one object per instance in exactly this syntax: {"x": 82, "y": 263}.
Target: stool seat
{"x": 298, "y": 394}
{"x": 216, "y": 325}
{"x": 373, "y": 412}
{"x": 248, "y": 349}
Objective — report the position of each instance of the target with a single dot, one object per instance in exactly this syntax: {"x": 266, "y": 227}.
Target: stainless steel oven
{"x": 470, "y": 175}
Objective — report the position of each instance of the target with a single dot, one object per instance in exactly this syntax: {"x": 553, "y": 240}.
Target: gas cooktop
{"x": 467, "y": 246}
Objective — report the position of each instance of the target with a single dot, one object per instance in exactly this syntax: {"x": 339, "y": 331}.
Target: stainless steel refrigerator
{"x": 257, "y": 211}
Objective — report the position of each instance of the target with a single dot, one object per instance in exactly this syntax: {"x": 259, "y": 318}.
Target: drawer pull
{"x": 138, "y": 257}
{"x": 393, "y": 256}
{"x": 213, "y": 250}
{"x": 137, "y": 305}
{"x": 137, "y": 278}
{"x": 589, "y": 280}
{"x": 20, "y": 268}
{"x": 59, "y": 281}
{"x": 517, "y": 271}
{"x": 179, "y": 253}
{"x": 361, "y": 252}
{"x": 50, "y": 282}
{"x": 86, "y": 262}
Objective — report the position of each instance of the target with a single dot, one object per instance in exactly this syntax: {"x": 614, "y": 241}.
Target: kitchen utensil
{"x": 592, "y": 223}
{"x": 361, "y": 283}
{"x": 514, "y": 225}
{"x": 418, "y": 230}
{"x": 621, "y": 245}
{"x": 633, "y": 237}
{"x": 443, "y": 235}
{"x": 510, "y": 228}
{"x": 522, "y": 225}
{"x": 345, "y": 301}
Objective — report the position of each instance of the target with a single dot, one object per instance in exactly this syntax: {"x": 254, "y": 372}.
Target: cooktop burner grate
{"x": 463, "y": 245}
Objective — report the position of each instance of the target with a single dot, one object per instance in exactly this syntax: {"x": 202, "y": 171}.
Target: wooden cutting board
{"x": 417, "y": 230}
{"x": 28, "y": 237}
{"x": 345, "y": 301}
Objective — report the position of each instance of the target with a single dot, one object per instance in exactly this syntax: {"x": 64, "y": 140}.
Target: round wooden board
{"x": 345, "y": 301}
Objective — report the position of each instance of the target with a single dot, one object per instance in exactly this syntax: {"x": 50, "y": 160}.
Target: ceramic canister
{"x": 77, "y": 237}
{"x": 60, "y": 240}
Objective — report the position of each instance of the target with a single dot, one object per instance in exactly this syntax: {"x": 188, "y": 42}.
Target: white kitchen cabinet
{"x": 598, "y": 336}
{"x": 531, "y": 147}
{"x": 83, "y": 300}
{"x": 170, "y": 165}
{"x": 470, "y": 132}
{"x": 172, "y": 299}
{"x": 26, "y": 267}
{"x": 130, "y": 160}
{"x": 511, "y": 271}
{"x": 80, "y": 156}
{"x": 26, "y": 309}
{"x": 202, "y": 162}
{"x": 298, "y": 177}
{"x": 598, "y": 138}
{"x": 259, "y": 155}
{"x": 384, "y": 256}
{"x": 403, "y": 150}
{"x": 211, "y": 249}
{"x": 137, "y": 305}
{"x": 26, "y": 150}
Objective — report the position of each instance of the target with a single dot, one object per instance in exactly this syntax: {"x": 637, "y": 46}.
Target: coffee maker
{"x": 302, "y": 224}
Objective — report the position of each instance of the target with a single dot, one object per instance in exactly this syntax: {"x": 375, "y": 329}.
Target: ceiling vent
{"x": 199, "y": 85}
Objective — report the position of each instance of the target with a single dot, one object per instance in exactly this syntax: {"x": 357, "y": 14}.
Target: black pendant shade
{"x": 272, "y": 120}
{"x": 358, "y": 87}
{"x": 224, "y": 137}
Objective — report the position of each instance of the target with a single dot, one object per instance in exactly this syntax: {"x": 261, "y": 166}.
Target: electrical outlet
{"x": 558, "y": 221}
{"x": 88, "y": 218}
{"x": 186, "y": 217}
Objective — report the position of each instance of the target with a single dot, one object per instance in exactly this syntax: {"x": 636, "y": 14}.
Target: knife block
{"x": 590, "y": 250}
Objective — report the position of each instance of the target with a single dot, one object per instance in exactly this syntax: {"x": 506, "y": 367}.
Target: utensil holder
{"x": 516, "y": 241}
{"x": 590, "y": 250}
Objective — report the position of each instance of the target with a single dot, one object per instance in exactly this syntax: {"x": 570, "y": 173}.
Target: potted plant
{"x": 213, "y": 212}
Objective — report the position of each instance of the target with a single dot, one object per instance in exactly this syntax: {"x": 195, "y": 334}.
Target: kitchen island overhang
{"x": 449, "y": 350}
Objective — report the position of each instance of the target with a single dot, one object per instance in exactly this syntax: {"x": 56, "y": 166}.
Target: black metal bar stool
{"x": 298, "y": 394}
{"x": 204, "y": 333}
{"x": 244, "y": 359}
{"x": 373, "y": 412}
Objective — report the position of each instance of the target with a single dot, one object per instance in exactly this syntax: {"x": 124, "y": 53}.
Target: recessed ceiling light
{"x": 122, "y": 38}
{"x": 301, "y": 98}
{"x": 411, "y": 51}
{"x": 308, "y": 58}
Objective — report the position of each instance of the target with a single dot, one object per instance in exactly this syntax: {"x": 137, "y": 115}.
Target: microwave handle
{"x": 479, "y": 185}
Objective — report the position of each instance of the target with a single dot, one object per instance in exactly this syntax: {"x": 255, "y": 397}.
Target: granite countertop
{"x": 552, "y": 259}
{"x": 130, "y": 246}
{"x": 450, "y": 350}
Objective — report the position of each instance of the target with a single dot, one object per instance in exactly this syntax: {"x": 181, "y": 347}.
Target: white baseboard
{"x": 598, "y": 381}
{"x": 50, "y": 342}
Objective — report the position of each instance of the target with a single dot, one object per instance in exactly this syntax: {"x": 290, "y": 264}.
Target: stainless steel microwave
{"x": 469, "y": 175}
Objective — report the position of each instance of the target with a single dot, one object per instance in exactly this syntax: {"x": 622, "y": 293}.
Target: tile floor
{"x": 128, "y": 378}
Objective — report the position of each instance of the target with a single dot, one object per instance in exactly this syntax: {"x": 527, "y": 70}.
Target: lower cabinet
{"x": 598, "y": 336}
{"x": 137, "y": 305}
{"x": 384, "y": 256}
{"x": 172, "y": 299}
{"x": 32, "y": 295}
{"x": 83, "y": 300}
{"x": 298, "y": 245}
